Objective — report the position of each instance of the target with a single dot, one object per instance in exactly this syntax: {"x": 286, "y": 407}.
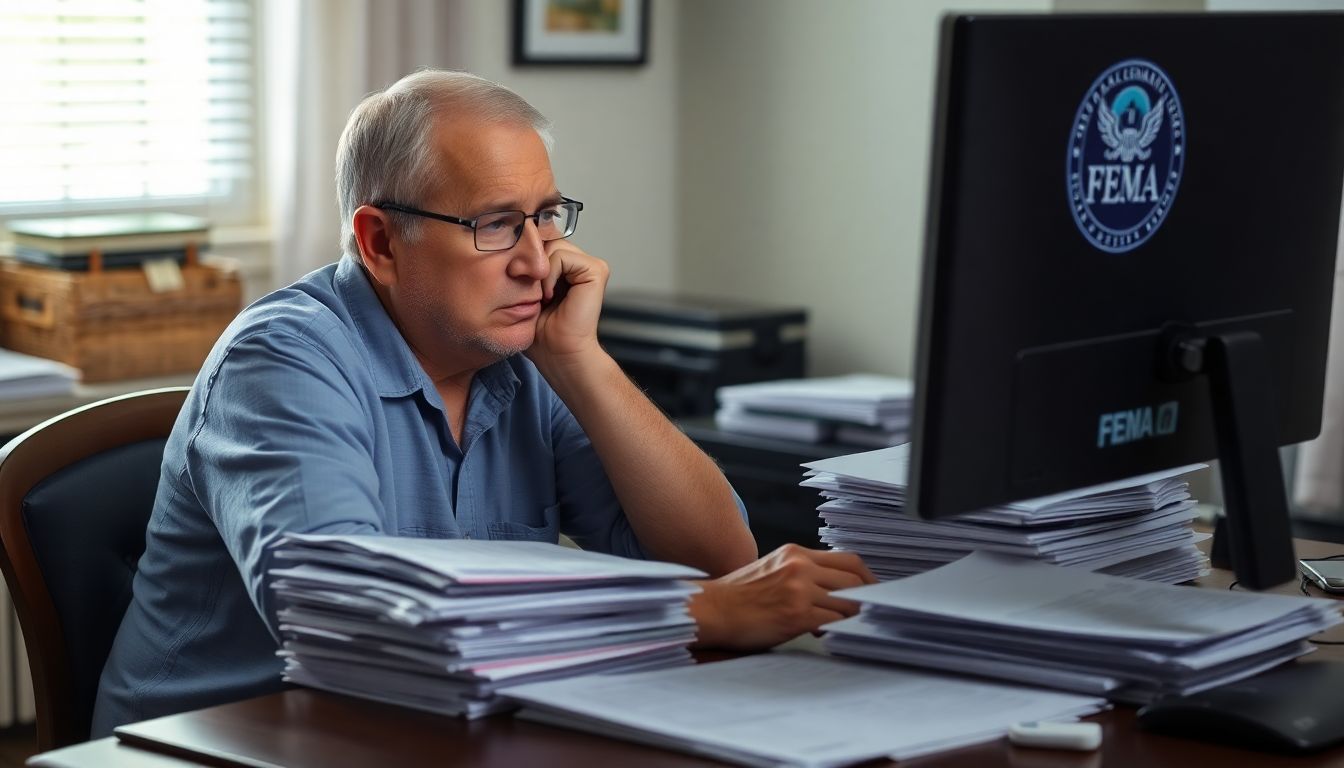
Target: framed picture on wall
{"x": 580, "y": 32}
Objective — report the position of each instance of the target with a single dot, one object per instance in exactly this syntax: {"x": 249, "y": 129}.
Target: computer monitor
{"x": 1130, "y": 253}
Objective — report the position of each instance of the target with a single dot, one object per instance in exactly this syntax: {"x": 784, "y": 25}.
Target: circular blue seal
{"x": 1126, "y": 153}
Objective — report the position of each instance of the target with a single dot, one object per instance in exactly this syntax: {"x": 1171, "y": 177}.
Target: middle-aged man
{"x": 390, "y": 393}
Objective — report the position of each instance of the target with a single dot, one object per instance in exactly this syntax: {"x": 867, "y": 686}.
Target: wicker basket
{"x": 109, "y": 324}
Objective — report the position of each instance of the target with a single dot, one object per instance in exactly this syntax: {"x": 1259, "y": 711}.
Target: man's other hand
{"x": 777, "y": 598}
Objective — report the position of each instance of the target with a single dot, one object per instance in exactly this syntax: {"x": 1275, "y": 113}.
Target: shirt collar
{"x": 395, "y": 370}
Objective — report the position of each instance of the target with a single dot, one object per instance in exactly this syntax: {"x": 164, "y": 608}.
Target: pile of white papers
{"x": 1137, "y": 527}
{"x": 861, "y": 409}
{"x": 441, "y": 625}
{"x": 25, "y": 376}
{"x": 794, "y": 709}
{"x": 1130, "y": 640}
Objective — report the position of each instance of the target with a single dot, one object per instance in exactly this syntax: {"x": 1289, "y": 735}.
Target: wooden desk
{"x": 302, "y": 728}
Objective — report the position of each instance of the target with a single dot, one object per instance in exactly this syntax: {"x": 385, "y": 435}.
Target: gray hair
{"x": 386, "y": 151}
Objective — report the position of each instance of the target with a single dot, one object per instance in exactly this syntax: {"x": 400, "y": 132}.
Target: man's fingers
{"x": 842, "y": 608}
{"x": 552, "y": 277}
{"x": 833, "y": 579}
{"x": 842, "y": 561}
{"x": 562, "y": 260}
{"x": 567, "y": 260}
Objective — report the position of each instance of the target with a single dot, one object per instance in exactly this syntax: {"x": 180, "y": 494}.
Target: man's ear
{"x": 373, "y": 235}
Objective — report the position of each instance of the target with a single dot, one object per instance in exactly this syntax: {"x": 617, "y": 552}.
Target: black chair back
{"x": 76, "y": 493}
{"x": 87, "y": 528}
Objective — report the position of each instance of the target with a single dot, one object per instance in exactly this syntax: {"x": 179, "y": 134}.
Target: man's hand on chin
{"x": 571, "y": 305}
{"x": 776, "y": 598}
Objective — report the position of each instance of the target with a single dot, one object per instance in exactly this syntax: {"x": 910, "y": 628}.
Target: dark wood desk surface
{"x": 302, "y": 728}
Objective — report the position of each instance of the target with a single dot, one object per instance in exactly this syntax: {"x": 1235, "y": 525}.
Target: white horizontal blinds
{"x": 125, "y": 100}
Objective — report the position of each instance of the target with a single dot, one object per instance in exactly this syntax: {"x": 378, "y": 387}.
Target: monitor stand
{"x": 1295, "y": 707}
{"x": 1257, "y": 533}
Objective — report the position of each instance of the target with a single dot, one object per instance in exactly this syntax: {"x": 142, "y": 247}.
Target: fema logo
{"x": 1126, "y": 153}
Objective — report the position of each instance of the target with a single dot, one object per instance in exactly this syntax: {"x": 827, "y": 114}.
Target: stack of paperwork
{"x": 1130, "y": 640}
{"x": 1138, "y": 527}
{"x": 441, "y": 625}
{"x": 794, "y": 709}
{"x": 860, "y": 409}
{"x": 25, "y": 377}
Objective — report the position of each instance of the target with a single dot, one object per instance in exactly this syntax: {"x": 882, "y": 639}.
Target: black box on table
{"x": 681, "y": 348}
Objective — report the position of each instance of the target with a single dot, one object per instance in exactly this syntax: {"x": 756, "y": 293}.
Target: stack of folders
{"x": 1139, "y": 527}
{"x": 860, "y": 409}
{"x": 441, "y": 625}
{"x": 1068, "y": 628}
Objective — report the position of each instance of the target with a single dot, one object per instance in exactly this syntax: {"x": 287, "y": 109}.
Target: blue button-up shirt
{"x": 312, "y": 415}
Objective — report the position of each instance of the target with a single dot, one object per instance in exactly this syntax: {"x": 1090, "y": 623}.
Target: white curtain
{"x": 1318, "y": 489}
{"x": 321, "y": 57}
{"x": 1318, "y": 483}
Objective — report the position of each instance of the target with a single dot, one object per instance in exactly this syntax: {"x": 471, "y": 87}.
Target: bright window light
{"x": 126, "y": 102}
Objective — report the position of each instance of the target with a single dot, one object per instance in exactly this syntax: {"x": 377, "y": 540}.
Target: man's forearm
{"x": 676, "y": 499}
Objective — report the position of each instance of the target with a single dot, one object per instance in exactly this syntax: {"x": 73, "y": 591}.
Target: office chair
{"x": 76, "y": 492}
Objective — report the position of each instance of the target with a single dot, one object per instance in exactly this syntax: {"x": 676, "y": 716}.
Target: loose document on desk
{"x": 861, "y": 408}
{"x": 1131, "y": 640}
{"x": 794, "y": 709}
{"x": 858, "y": 398}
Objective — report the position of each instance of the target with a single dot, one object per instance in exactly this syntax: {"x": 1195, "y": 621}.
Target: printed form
{"x": 794, "y": 709}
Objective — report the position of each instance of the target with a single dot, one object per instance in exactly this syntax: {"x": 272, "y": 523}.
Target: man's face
{"x": 460, "y": 308}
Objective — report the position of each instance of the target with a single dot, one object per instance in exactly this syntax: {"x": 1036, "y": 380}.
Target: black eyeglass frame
{"x": 471, "y": 223}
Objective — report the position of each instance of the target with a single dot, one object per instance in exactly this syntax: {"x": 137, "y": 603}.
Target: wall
{"x": 616, "y": 140}
{"x": 1135, "y": 6}
{"x": 774, "y": 150}
{"x": 804, "y": 143}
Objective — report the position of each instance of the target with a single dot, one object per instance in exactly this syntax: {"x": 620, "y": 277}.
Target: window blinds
{"x": 148, "y": 101}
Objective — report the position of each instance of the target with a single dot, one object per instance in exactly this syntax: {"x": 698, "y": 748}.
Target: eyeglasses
{"x": 500, "y": 230}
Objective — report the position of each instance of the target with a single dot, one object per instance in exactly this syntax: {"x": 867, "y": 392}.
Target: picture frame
{"x": 581, "y": 32}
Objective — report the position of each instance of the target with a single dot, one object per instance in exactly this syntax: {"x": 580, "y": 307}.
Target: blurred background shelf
{"x": 18, "y": 415}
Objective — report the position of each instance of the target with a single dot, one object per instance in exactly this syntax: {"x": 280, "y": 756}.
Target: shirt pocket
{"x": 512, "y": 530}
